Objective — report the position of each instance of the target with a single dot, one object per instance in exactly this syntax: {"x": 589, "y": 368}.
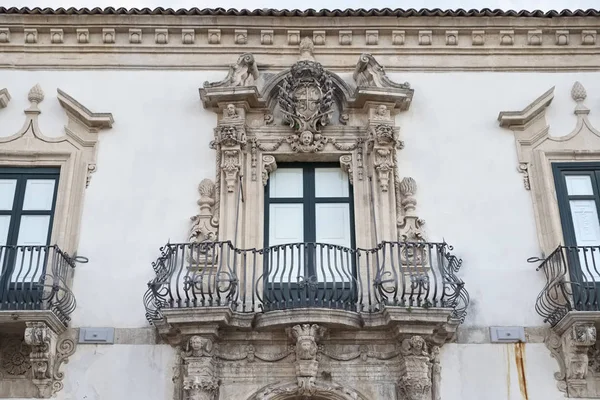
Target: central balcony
{"x": 215, "y": 282}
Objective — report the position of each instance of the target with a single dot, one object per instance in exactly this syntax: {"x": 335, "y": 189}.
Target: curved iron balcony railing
{"x": 35, "y": 278}
{"x": 572, "y": 282}
{"x": 300, "y": 275}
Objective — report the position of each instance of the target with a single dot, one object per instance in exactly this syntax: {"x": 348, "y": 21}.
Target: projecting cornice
{"x": 402, "y": 40}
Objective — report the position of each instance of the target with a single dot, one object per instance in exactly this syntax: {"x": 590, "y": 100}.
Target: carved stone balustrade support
{"x": 306, "y": 337}
{"x": 199, "y": 370}
{"x": 416, "y": 381}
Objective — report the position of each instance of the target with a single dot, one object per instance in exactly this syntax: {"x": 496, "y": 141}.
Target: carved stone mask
{"x": 306, "y": 138}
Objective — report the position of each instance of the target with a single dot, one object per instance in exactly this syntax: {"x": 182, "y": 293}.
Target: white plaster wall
{"x": 491, "y": 372}
{"x": 121, "y": 372}
{"x": 150, "y": 163}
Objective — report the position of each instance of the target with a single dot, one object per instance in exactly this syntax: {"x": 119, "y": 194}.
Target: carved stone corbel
{"x": 576, "y": 344}
{"x": 571, "y": 342}
{"x": 415, "y": 369}
{"x": 46, "y": 357}
{"x": 306, "y": 337}
{"x": 268, "y": 166}
{"x": 200, "y": 380}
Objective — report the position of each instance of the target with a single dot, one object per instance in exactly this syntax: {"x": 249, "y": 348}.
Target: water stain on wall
{"x": 520, "y": 361}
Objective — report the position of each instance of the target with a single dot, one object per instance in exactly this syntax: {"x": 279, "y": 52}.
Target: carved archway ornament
{"x": 306, "y": 113}
{"x": 322, "y": 391}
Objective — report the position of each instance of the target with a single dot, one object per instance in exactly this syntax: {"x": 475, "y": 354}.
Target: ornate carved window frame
{"x": 574, "y": 336}
{"x": 75, "y": 154}
{"x": 537, "y": 150}
{"x": 355, "y": 126}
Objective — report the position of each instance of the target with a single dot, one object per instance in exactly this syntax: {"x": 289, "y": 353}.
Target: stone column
{"x": 307, "y": 337}
{"x": 199, "y": 376}
{"x": 415, "y": 380}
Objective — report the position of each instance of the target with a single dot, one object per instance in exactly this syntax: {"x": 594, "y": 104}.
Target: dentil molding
{"x": 183, "y": 42}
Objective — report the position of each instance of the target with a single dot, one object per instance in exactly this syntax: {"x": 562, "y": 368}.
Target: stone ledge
{"x": 11, "y": 318}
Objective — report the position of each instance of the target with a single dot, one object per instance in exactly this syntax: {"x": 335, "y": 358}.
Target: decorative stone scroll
{"x": 46, "y": 357}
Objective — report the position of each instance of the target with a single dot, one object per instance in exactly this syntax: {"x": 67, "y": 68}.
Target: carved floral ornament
{"x": 304, "y": 113}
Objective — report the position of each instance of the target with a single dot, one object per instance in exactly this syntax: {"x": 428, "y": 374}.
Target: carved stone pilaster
{"x": 383, "y": 140}
{"x": 436, "y": 374}
{"x": 200, "y": 380}
{"x": 415, "y": 368}
{"x": 306, "y": 337}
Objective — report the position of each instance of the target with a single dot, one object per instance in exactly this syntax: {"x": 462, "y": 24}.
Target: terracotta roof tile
{"x": 361, "y": 12}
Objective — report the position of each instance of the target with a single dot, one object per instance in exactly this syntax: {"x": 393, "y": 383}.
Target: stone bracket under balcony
{"x": 573, "y": 344}
{"x": 435, "y": 325}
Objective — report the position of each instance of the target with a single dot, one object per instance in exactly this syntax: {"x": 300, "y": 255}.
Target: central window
{"x": 309, "y": 234}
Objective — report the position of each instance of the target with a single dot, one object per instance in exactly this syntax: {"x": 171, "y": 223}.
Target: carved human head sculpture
{"x": 382, "y": 110}
{"x": 230, "y": 111}
{"x": 200, "y": 346}
{"x": 306, "y": 138}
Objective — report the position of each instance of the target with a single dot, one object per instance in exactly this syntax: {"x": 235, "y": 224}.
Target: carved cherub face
{"x": 382, "y": 110}
{"x": 306, "y": 138}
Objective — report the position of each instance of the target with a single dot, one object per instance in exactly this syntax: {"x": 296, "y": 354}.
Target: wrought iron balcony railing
{"x": 572, "y": 282}
{"x": 302, "y": 275}
{"x": 35, "y": 278}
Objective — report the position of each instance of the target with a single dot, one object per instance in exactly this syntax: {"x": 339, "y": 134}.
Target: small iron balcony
{"x": 306, "y": 275}
{"x": 572, "y": 282}
{"x": 35, "y": 278}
